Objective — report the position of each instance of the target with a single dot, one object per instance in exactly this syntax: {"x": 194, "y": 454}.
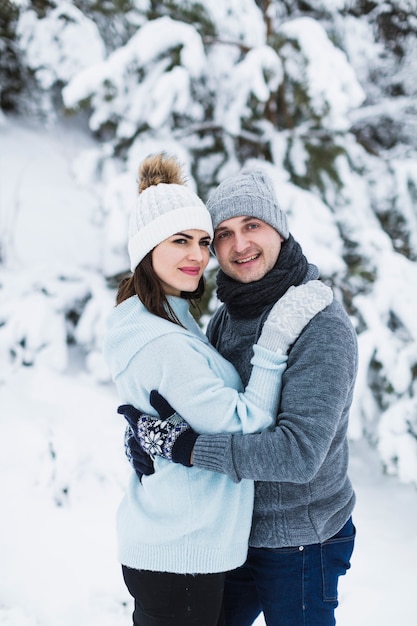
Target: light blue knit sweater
{"x": 178, "y": 519}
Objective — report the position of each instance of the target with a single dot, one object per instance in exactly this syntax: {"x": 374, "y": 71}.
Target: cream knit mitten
{"x": 293, "y": 311}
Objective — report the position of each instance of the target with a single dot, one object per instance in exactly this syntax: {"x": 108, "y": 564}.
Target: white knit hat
{"x": 161, "y": 211}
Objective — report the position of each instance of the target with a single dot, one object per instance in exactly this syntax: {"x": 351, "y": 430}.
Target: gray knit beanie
{"x": 251, "y": 194}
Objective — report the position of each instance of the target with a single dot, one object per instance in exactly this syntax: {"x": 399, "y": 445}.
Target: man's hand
{"x": 170, "y": 436}
{"x": 141, "y": 462}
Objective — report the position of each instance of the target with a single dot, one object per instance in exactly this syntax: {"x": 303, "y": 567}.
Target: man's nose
{"x": 240, "y": 242}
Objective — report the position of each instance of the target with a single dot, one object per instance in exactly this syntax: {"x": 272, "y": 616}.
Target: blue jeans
{"x": 292, "y": 586}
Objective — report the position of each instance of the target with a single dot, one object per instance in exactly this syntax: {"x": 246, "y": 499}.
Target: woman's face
{"x": 180, "y": 260}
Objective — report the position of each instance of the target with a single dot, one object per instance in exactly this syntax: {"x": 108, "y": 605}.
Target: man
{"x": 302, "y": 533}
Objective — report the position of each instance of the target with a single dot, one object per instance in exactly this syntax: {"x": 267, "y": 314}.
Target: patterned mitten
{"x": 292, "y": 312}
{"x": 170, "y": 436}
{"x": 141, "y": 462}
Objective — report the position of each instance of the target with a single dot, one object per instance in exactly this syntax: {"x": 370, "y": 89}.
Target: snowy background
{"x": 321, "y": 94}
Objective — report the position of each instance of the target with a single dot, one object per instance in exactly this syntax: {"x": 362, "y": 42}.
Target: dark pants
{"x": 292, "y": 586}
{"x": 165, "y": 599}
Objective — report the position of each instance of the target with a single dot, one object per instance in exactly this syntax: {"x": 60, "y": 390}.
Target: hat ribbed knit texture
{"x": 251, "y": 194}
{"x": 161, "y": 211}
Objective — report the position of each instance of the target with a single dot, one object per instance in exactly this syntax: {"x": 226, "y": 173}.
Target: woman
{"x": 180, "y": 530}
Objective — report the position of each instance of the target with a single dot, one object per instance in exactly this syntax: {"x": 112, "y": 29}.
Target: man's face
{"x": 246, "y": 247}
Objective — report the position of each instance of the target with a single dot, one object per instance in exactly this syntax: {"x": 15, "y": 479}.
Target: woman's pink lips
{"x": 192, "y": 271}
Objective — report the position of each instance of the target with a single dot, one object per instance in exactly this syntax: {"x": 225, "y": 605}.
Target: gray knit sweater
{"x": 303, "y": 494}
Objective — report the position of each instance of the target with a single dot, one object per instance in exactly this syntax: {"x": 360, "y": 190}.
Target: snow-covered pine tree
{"x": 320, "y": 93}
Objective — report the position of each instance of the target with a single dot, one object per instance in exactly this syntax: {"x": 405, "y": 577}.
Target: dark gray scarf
{"x": 248, "y": 300}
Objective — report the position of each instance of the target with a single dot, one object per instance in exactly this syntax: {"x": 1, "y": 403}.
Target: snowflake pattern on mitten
{"x": 158, "y": 436}
{"x": 179, "y": 429}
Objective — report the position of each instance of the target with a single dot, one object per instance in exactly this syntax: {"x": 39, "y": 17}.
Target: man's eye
{"x": 253, "y": 225}
{"x": 222, "y": 235}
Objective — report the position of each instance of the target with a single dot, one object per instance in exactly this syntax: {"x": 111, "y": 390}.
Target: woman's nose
{"x": 196, "y": 253}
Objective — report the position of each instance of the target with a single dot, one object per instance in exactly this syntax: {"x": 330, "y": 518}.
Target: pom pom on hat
{"x": 251, "y": 194}
{"x": 164, "y": 206}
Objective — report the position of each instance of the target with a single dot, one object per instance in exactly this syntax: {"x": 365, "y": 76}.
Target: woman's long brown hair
{"x": 145, "y": 284}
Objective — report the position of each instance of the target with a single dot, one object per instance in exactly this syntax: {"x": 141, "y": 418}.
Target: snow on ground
{"x": 48, "y": 220}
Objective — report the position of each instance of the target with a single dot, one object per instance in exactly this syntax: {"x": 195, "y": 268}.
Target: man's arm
{"x": 316, "y": 396}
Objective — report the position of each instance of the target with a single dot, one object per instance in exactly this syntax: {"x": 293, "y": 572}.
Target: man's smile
{"x": 247, "y": 259}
